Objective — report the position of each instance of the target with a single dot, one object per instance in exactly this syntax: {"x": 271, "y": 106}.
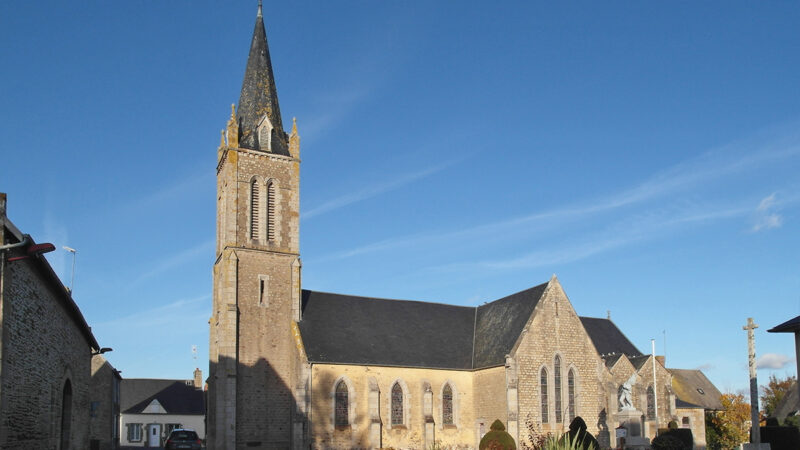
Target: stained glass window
{"x": 543, "y": 395}
{"x": 341, "y": 408}
{"x": 571, "y": 395}
{"x": 557, "y": 387}
{"x": 447, "y": 405}
{"x": 397, "y": 404}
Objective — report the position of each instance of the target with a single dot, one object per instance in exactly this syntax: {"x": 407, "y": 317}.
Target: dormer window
{"x": 265, "y": 134}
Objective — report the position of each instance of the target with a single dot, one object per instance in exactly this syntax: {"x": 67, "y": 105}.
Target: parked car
{"x": 183, "y": 439}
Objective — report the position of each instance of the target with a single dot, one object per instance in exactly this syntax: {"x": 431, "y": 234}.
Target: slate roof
{"x": 607, "y": 338}
{"x": 499, "y": 324}
{"x": 175, "y": 396}
{"x": 259, "y": 95}
{"x": 790, "y": 326}
{"x": 347, "y": 329}
{"x": 639, "y": 361}
{"x": 686, "y": 382}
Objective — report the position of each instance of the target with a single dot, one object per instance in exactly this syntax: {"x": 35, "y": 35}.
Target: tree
{"x": 729, "y": 427}
{"x": 774, "y": 392}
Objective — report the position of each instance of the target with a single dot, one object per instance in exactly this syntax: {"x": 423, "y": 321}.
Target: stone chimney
{"x": 198, "y": 379}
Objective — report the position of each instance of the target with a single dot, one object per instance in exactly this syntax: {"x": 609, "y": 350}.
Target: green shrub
{"x": 497, "y": 438}
{"x": 667, "y": 442}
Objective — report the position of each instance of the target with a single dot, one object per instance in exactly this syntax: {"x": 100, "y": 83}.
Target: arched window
{"x": 66, "y": 414}
{"x": 255, "y": 210}
{"x": 651, "y": 403}
{"x": 341, "y": 411}
{"x": 557, "y": 386}
{"x": 620, "y": 396}
{"x": 543, "y": 394}
{"x": 397, "y": 405}
{"x": 570, "y": 395}
{"x": 271, "y": 211}
{"x": 447, "y": 405}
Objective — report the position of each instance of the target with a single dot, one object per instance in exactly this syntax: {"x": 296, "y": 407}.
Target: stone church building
{"x": 295, "y": 368}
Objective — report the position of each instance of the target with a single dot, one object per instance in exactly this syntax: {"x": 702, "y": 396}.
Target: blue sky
{"x": 647, "y": 154}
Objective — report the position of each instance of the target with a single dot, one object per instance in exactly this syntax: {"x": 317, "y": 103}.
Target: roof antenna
{"x": 608, "y": 314}
{"x": 259, "y": 8}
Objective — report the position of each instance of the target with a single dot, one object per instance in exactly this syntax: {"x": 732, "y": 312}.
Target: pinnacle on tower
{"x": 259, "y": 98}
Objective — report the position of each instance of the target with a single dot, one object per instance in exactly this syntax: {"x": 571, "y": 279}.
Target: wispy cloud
{"x": 766, "y": 217}
{"x": 186, "y": 309}
{"x": 715, "y": 164}
{"x": 166, "y": 264}
{"x": 772, "y": 361}
{"x": 627, "y": 231}
{"x": 372, "y": 191}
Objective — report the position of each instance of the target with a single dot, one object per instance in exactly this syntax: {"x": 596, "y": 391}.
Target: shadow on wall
{"x": 269, "y": 417}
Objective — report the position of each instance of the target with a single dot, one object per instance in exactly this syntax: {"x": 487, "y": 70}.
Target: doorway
{"x": 154, "y": 435}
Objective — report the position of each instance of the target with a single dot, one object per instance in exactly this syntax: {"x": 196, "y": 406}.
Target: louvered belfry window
{"x": 543, "y": 395}
{"x": 447, "y": 405}
{"x": 255, "y": 210}
{"x": 557, "y": 387}
{"x": 271, "y": 211}
{"x": 341, "y": 406}
{"x": 397, "y": 404}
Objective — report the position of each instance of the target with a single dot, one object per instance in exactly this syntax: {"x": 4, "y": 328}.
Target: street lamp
{"x": 72, "y": 277}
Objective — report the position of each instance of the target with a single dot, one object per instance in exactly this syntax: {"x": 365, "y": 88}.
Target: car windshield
{"x": 183, "y": 436}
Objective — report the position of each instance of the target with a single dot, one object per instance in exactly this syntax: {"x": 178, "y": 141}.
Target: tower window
{"x": 255, "y": 210}
{"x": 265, "y": 131}
{"x": 263, "y": 290}
{"x": 271, "y": 211}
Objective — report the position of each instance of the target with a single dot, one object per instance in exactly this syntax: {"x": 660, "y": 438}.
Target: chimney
{"x": 662, "y": 359}
{"x": 198, "y": 379}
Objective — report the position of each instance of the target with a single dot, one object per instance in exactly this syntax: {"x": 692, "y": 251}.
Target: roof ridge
{"x": 391, "y": 299}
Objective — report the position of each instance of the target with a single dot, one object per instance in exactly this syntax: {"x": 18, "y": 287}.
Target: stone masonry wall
{"x": 104, "y": 404}
{"x": 253, "y": 361}
{"x": 557, "y": 330}
{"x": 42, "y": 350}
{"x": 412, "y": 434}
{"x": 489, "y": 392}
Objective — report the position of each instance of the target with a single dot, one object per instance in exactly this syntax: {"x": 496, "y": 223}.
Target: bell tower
{"x": 256, "y": 298}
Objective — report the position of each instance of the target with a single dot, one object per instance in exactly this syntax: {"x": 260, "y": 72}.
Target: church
{"x": 292, "y": 368}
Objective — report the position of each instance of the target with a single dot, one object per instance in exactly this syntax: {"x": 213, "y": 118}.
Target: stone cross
{"x": 751, "y": 349}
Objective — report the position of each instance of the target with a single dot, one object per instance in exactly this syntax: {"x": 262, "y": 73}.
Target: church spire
{"x": 259, "y": 98}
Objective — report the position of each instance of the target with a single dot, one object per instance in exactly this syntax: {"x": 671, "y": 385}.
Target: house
{"x": 46, "y": 349}
{"x": 297, "y": 368}
{"x": 152, "y": 408}
{"x": 104, "y": 403}
{"x": 695, "y": 395}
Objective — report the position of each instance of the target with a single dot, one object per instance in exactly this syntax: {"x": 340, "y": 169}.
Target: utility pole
{"x": 751, "y": 349}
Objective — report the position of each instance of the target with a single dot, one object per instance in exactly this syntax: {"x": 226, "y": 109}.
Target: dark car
{"x": 183, "y": 439}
